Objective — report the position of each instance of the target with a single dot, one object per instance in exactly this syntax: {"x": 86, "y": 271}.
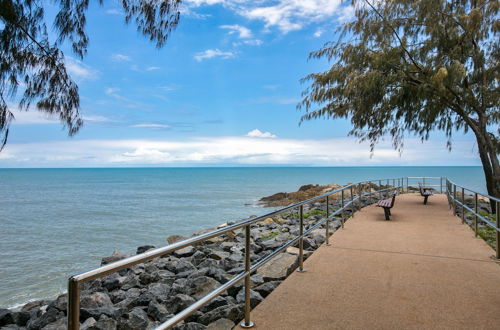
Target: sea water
{"x": 57, "y": 222}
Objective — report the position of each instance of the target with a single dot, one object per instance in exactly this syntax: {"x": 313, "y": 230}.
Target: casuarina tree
{"x": 33, "y": 66}
{"x": 413, "y": 67}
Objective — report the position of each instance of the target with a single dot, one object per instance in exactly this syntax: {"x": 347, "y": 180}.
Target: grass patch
{"x": 487, "y": 233}
{"x": 270, "y": 235}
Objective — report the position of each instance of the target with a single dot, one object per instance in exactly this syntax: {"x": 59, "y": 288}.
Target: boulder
{"x": 157, "y": 311}
{"x": 231, "y": 312}
{"x": 190, "y": 326}
{"x": 221, "y": 324}
{"x": 255, "y": 297}
{"x": 265, "y": 289}
{"x": 115, "y": 256}
{"x": 95, "y": 300}
{"x": 135, "y": 319}
{"x": 144, "y": 248}
{"x": 279, "y": 267}
{"x": 180, "y": 302}
{"x": 201, "y": 286}
{"x": 6, "y": 317}
{"x": 175, "y": 238}
{"x": 184, "y": 252}
{"x": 60, "y": 324}
{"x": 105, "y": 323}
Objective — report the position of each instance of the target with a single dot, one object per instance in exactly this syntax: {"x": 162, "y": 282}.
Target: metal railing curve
{"x": 357, "y": 191}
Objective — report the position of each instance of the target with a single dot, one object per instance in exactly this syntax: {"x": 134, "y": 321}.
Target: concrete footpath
{"x": 421, "y": 270}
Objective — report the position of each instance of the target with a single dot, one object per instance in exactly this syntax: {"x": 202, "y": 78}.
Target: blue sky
{"x": 223, "y": 91}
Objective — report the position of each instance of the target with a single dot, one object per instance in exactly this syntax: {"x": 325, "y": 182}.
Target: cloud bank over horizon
{"x": 231, "y": 151}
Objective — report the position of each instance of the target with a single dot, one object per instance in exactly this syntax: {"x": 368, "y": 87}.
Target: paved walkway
{"x": 421, "y": 270}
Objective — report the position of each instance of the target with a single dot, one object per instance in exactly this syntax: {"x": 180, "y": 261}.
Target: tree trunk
{"x": 491, "y": 166}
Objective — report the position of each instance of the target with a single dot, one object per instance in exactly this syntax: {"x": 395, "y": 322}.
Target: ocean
{"x": 57, "y": 222}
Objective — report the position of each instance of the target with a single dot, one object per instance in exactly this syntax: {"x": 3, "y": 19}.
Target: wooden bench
{"x": 424, "y": 192}
{"x": 387, "y": 204}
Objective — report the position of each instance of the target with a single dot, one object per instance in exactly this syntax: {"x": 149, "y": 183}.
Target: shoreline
{"x": 154, "y": 290}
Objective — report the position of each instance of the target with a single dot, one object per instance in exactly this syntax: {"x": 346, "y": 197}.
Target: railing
{"x": 413, "y": 181}
{"x": 458, "y": 200}
{"x": 348, "y": 202}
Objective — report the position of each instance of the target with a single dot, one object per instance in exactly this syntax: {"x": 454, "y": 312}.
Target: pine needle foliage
{"x": 412, "y": 67}
{"x": 28, "y": 59}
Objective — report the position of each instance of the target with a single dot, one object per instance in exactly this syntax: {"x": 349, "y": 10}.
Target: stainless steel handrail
{"x": 453, "y": 200}
{"x": 357, "y": 193}
{"x": 75, "y": 280}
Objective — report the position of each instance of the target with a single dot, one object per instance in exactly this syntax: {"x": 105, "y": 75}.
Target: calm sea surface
{"x": 56, "y": 222}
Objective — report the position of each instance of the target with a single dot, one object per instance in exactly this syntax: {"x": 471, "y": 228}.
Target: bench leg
{"x": 387, "y": 213}
{"x": 425, "y": 200}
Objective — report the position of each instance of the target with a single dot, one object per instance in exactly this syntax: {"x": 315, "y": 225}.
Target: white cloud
{"x": 211, "y": 53}
{"x": 95, "y": 118}
{"x": 286, "y": 15}
{"x": 120, "y": 58}
{"x": 243, "y": 32}
{"x": 32, "y": 117}
{"x": 113, "y": 12}
{"x": 318, "y": 33}
{"x": 111, "y": 90}
{"x": 233, "y": 150}
{"x": 253, "y": 42}
{"x": 258, "y": 134}
{"x": 152, "y": 68}
{"x": 151, "y": 125}
{"x": 79, "y": 70}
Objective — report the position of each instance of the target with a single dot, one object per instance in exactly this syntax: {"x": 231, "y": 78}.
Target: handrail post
{"x": 475, "y": 214}
{"x": 247, "y": 323}
{"x": 454, "y": 199}
{"x": 441, "y": 185}
{"x": 73, "y": 304}
{"x": 343, "y": 211}
{"x": 463, "y": 208}
{"x": 360, "y": 201}
{"x": 498, "y": 229}
{"x": 407, "y": 183}
{"x": 301, "y": 240}
{"x": 380, "y": 189}
{"x": 352, "y": 202}
{"x": 327, "y": 243}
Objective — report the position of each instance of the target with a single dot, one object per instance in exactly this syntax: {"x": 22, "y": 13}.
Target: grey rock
{"x": 111, "y": 311}
{"x": 113, "y": 282}
{"x": 115, "y": 256}
{"x": 279, "y": 267}
{"x": 231, "y": 312}
{"x": 158, "y": 311}
{"x": 135, "y": 319}
{"x": 95, "y": 300}
{"x": 57, "y": 325}
{"x": 179, "y": 266}
{"x": 256, "y": 279}
{"x": 201, "y": 286}
{"x": 221, "y": 324}
{"x": 21, "y": 318}
{"x": 255, "y": 297}
{"x": 51, "y": 315}
{"x": 88, "y": 324}
{"x": 180, "y": 302}
{"x": 144, "y": 248}
{"x": 184, "y": 252}
{"x": 6, "y": 317}
{"x": 190, "y": 326}
{"x": 144, "y": 299}
{"x": 265, "y": 289}
{"x": 105, "y": 323}
{"x": 175, "y": 238}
